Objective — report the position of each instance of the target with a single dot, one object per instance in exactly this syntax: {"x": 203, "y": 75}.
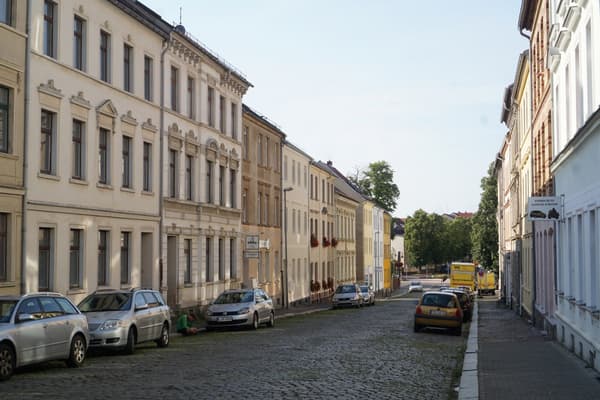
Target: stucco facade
{"x": 12, "y": 127}
{"x": 365, "y": 260}
{"x": 387, "y": 255}
{"x": 378, "y": 230}
{"x": 262, "y": 198}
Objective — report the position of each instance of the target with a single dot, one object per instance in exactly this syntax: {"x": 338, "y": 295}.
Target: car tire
{"x": 7, "y": 361}
{"x": 255, "y": 321}
{"x": 131, "y": 338}
{"x": 417, "y": 328}
{"x": 271, "y": 322}
{"x": 163, "y": 341}
{"x": 458, "y": 331}
{"x": 77, "y": 352}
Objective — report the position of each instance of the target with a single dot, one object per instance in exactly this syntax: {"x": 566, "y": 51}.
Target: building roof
{"x": 506, "y": 104}
{"x": 292, "y": 146}
{"x": 255, "y": 114}
{"x": 527, "y": 14}
{"x": 343, "y": 184}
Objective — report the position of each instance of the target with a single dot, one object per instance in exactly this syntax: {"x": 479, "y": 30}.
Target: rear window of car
{"x": 66, "y": 306}
{"x": 438, "y": 300}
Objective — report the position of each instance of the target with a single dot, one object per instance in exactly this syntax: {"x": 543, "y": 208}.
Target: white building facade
{"x": 574, "y": 61}
{"x": 377, "y": 248}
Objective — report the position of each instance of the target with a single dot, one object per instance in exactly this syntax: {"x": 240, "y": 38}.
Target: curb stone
{"x": 469, "y": 384}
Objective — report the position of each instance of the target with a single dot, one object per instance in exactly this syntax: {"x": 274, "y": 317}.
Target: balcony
{"x": 563, "y": 39}
{"x": 573, "y": 16}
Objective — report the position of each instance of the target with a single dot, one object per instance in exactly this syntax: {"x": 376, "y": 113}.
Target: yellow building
{"x": 387, "y": 255}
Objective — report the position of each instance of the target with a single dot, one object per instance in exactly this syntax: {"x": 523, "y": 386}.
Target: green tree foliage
{"x": 458, "y": 238}
{"x": 484, "y": 234}
{"x": 416, "y": 239}
{"x": 377, "y": 182}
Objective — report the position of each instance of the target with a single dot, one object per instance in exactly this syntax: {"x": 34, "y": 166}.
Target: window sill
{"x": 104, "y": 186}
{"x": 43, "y": 175}
{"x": 146, "y": 193}
{"x": 127, "y": 189}
{"x": 6, "y": 284}
{"x": 10, "y": 156}
{"x": 77, "y": 181}
{"x": 75, "y": 291}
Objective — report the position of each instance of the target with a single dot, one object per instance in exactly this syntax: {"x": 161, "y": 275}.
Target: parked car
{"x": 466, "y": 304}
{"x": 439, "y": 310}
{"x": 347, "y": 295}
{"x": 123, "y": 318}
{"x": 39, "y": 327}
{"x": 243, "y": 307}
{"x": 367, "y": 294}
{"x": 415, "y": 286}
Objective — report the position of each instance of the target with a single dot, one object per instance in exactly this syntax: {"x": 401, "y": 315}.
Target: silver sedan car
{"x": 39, "y": 327}
{"x": 243, "y": 307}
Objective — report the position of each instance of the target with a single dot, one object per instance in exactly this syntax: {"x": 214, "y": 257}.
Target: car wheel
{"x": 271, "y": 322}
{"x": 163, "y": 341}
{"x": 77, "y": 352}
{"x": 417, "y": 327}
{"x": 458, "y": 331}
{"x": 130, "y": 345}
{"x": 255, "y": 321}
{"x": 7, "y": 361}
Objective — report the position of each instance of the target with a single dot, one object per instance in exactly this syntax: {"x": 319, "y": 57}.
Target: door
{"x": 143, "y": 317}
{"x": 56, "y": 324}
{"x": 172, "y": 271}
{"x": 147, "y": 261}
{"x": 156, "y": 319}
{"x": 30, "y": 334}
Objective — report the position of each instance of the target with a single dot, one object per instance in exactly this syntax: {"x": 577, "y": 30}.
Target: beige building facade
{"x": 262, "y": 197}
{"x": 12, "y": 128}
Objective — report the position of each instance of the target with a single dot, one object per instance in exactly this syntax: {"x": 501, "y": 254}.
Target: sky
{"x": 418, "y": 84}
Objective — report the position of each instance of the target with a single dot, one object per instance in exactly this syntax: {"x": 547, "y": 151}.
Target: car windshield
{"x": 364, "y": 289}
{"x": 346, "y": 289}
{"x": 415, "y": 283}
{"x": 438, "y": 300}
{"x": 235, "y": 297}
{"x": 106, "y": 302}
{"x": 6, "y": 309}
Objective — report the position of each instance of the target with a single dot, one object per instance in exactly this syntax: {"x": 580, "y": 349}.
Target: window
{"x": 259, "y": 150}
{"x": 188, "y": 177}
{"x": 104, "y": 56}
{"x": 258, "y": 209}
{"x": 294, "y": 172}
{"x": 305, "y": 176}
{"x": 232, "y": 192}
{"x": 245, "y": 143}
{"x": 126, "y": 162}
{"x": 234, "y": 133}
{"x": 232, "y": 255}
{"x": 276, "y": 211}
{"x": 103, "y": 240}
{"x": 267, "y": 147}
{"x": 245, "y": 206}
{"x": 6, "y": 11}
{"x": 266, "y": 210}
{"x": 45, "y": 251}
{"x": 190, "y": 97}
{"x": 209, "y": 277}
{"x": 174, "y": 89}
{"x": 79, "y": 43}
{"x": 128, "y": 68}
{"x": 285, "y": 162}
{"x": 49, "y": 28}
{"x": 3, "y": 247}
{"x": 222, "y": 114}
{"x": 147, "y": 167}
{"x": 209, "y": 181}
{"x": 210, "y": 104}
{"x": 221, "y": 259}
{"x": 293, "y": 220}
{"x": 125, "y": 261}
{"x": 172, "y": 173}
{"x": 104, "y": 155}
{"x": 4, "y": 119}
{"x": 75, "y": 259}
{"x": 78, "y": 148}
{"x": 222, "y": 185}
{"x": 148, "y": 81}
{"x": 187, "y": 253}
{"x": 47, "y": 142}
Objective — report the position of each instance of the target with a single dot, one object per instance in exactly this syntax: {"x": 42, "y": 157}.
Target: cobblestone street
{"x": 367, "y": 353}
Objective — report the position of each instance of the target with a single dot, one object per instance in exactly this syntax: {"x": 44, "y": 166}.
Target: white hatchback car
{"x": 415, "y": 286}
{"x": 39, "y": 327}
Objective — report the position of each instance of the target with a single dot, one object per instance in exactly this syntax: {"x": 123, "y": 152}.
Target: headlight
{"x": 245, "y": 310}
{"x": 112, "y": 324}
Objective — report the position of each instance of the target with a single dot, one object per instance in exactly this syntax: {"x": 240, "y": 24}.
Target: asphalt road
{"x": 367, "y": 353}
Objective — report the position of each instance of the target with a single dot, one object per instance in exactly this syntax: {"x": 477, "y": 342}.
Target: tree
{"x": 458, "y": 233}
{"x": 484, "y": 234}
{"x": 377, "y": 182}
{"x": 416, "y": 241}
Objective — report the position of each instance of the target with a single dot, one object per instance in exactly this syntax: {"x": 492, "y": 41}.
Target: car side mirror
{"x": 25, "y": 317}
{"x": 141, "y": 307}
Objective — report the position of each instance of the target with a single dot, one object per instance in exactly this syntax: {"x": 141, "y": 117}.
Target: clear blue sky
{"x": 418, "y": 84}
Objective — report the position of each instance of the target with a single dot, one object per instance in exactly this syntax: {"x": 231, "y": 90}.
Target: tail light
{"x": 458, "y": 312}
{"x": 419, "y": 310}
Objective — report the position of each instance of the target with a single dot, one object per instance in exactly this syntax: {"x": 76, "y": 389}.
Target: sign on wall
{"x": 543, "y": 208}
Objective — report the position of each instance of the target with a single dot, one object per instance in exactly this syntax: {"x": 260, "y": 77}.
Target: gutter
{"x": 162, "y": 277}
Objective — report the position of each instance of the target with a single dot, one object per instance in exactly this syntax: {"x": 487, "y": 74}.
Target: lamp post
{"x": 285, "y": 243}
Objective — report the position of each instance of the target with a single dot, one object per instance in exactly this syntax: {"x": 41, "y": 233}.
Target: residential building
{"x": 13, "y": 83}
{"x": 573, "y": 60}
{"x": 378, "y": 230}
{"x": 397, "y": 250}
{"x": 201, "y": 172}
{"x": 535, "y": 18}
{"x": 262, "y": 198}
{"x": 505, "y": 246}
{"x": 93, "y": 147}
{"x": 387, "y": 256}
{"x": 365, "y": 254}
{"x": 297, "y": 238}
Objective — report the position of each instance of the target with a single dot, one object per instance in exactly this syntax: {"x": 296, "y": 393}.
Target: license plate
{"x": 437, "y": 312}
{"x": 224, "y": 319}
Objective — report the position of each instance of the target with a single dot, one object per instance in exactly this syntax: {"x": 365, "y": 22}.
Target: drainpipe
{"x": 22, "y": 286}
{"x": 162, "y": 276}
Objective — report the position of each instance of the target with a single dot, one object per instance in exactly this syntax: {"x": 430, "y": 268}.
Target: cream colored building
{"x": 296, "y": 169}
{"x": 262, "y": 198}
{"x": 365, "y": 256}
{"x": 201, "y": 172}
{"x": 12, "y": 126}
{"x": 92, "y": 207}
{"x": 346, "y": 237}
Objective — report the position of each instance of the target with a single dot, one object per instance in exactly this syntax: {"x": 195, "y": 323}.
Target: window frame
{"x": 128, "y": 68}
{"x": 187, "y": 252}
{"x": 5, "y": 117}
{"x": 79, "y": 42}
{"x": 174, "y": 88}
{"x": 4, "y": 247}
{"x": 75, "y": 258}
{"x": 104, "y": 156}
{"x": 126, "y": 151}
{"x": 189, "y": 177}
{"x": 8, "y": 12}
{"x": 125, "y": 257}
{"x": 47, "y": 152}
{"x": 148, "y": 75}
{"x": 103, "y": 257}
{"x": 147, "y": 167}
{"x": 45, "y": 249}
{"x": 78, "y": 150}
{"x": 105, "y": 59}
{"x": 50, "y": 31}
{"x": 172, "y": 173}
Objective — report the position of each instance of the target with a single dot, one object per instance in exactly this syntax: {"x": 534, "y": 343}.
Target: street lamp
{"x": 284, "y": 278}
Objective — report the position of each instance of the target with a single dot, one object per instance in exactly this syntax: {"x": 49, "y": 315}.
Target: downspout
{"x": 162, "y": 277}
{"x": 22, "y": 286}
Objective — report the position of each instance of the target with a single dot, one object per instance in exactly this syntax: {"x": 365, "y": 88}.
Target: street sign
{"x": 251, "y": 253}
{"x": 543, "y": 208}
{"x": 252, "y": 242}
{"x": 265, "y": 244}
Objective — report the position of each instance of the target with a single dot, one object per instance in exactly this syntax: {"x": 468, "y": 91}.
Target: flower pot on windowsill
{"x": 313, "y": 241}
{"x": 334, "y": 242}
{"x": 326, "y": 242}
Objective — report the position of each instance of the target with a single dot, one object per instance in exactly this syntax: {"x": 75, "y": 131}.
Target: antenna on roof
{"x": 180, "y": 14}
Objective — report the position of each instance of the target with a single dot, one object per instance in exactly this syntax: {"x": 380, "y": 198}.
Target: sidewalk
{"x": 514, "y": 361}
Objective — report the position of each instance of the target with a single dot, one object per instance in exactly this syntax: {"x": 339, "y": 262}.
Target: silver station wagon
{"x": 124, "y": 318}
{"x": 39, "y": 327}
